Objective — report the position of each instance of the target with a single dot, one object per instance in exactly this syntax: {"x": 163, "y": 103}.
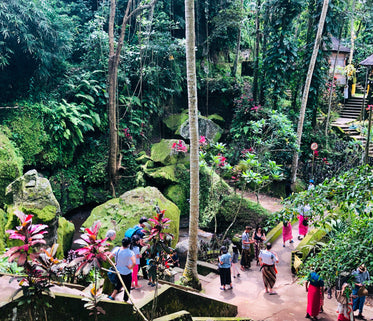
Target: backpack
{"x": 132, "y": 231}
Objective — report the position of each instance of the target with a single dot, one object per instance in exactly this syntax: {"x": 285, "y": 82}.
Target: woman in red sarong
{"x": 315, "y": 289}
{"x": 287, "y": 233}
{"x": 303, "y": 221}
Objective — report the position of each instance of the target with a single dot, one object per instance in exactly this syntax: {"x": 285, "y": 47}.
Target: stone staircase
{"x": 352, "y": 108}
{"x": 349, "y": 114}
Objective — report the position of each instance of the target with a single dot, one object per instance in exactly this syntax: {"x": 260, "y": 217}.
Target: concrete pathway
{"x": 248, "y": 293}
{"x": 289, "y": 304}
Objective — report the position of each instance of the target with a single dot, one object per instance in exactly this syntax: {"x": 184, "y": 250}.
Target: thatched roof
{"x": 367, "y": 62}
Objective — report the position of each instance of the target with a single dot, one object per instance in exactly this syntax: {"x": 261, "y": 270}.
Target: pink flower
{"x": 370, "y": 107}
{"x": 316, "y": 153}
{"x": 202, "y": 141}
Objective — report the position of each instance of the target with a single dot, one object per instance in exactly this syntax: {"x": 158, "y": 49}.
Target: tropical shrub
{"x": 39, "y": 265}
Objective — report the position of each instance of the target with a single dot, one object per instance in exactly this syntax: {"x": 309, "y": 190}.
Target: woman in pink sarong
{"x": 287, "y": 233}
{"x": 303, "y": 221}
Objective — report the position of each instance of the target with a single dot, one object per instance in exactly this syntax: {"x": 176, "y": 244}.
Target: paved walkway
{"x": 248, "y": 292}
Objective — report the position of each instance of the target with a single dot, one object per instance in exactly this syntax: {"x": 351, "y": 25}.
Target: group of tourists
{"x": 267, "y": 259}
{"x": 263, "y": 256}
{"x": 129, "y": 260}
{"x": 349, "y": 299}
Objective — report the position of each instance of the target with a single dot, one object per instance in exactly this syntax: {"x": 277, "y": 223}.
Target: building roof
{"x": 337, "y": 43}
{"x": 367, "y": 62}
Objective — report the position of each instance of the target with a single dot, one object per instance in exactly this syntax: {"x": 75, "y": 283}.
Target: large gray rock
{"x": 206, "y": 127}
{"x": 32, "y": 194}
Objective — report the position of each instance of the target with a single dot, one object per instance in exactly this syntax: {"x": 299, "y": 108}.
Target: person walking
{"x": 246, "y": 241}
{"x": 303, "y": 221}
{"x": 225, "y": 260}
{"x": 258, "y": 239}
{"x": 314, "y": 289}
{"x": 139, "y": 230}
{"x": 287, "y": 233}
{"x": 125, "y": 261}
{"x": 311, "y": 185}
{"x": 135, "y": 247}
{"x": 268, "y": 260}
{"x": 235, "y": 254}
{"x": 359, "y": 291}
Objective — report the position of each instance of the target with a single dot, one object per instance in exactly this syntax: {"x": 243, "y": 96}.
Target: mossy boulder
{"x": 206, "y": 127}
{"x": 65, "y": 233}
{"x": 124, "y": 212}
{"x": 32, "y": 194}
{"x": 166, "y": 175}
{"x": 163, "y": 153}
{"x": 11, "y": 166}
{"x": 178, "y": 195}
{"x": 174, "y": 121}
{"x": 248, "y": 213}
{"x": 3, "y": 220}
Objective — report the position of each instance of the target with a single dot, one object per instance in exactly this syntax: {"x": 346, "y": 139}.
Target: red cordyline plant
{"x": 30, "y": 235}
{"x": 92, "y": 253}
{"x": 37, "y": 262}
{"x": 159, "y": 242}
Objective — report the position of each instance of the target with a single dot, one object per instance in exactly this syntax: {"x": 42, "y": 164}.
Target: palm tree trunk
{"x": 190, "y": 275}
{"x": 307, "y": 89}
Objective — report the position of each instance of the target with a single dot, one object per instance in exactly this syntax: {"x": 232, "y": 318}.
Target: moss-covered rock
{"x": 164, "y": 176}
{"x": 178, "y": 195}
{"x": 32, "y": 194}
{"x": 162, "y": 152}
{"x": 206, "y": 127}
{"x": 249, "y": 213}
{"x": 3, "y": 220}
{"x": 174, "y": 121}
{"x": 65, "y": 233}
{"x": 11, "y": 166}
{"x": 142, "y": 158}
{"x": 124, "y": 212}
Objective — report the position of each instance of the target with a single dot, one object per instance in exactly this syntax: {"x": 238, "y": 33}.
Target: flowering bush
{"x": 39, "y": 264}
{"x": 179, "y": 147}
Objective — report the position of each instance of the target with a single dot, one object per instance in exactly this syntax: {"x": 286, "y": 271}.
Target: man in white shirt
{"x": 267, "y": 260}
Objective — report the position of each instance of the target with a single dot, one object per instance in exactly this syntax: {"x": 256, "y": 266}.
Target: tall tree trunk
{"x": 114, "y": 59}
{"x": 307, "y": 89}
{"x": 190, "y": 275}
{"x": 256, "y": 57}
{"x": 238, "y": 47}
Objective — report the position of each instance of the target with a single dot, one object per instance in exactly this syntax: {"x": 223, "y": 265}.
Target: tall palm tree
{"x": 307, "y": 85}
{"x": 190, "y": 275}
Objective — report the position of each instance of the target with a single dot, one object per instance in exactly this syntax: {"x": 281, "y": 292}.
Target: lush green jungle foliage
{"x": 343, "y": 207}
{"x": 54, "y": 63}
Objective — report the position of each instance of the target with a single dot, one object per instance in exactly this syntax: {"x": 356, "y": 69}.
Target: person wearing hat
{"x": 225, "y": 261}
{"x": 361, "y": 275}
{"x": 311, "y": 185}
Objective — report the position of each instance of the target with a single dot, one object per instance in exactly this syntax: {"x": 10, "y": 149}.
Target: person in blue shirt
{"x": 225, "y": 261}
{"x": 361, "y": 275}
{"x": 125, "y": 261}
